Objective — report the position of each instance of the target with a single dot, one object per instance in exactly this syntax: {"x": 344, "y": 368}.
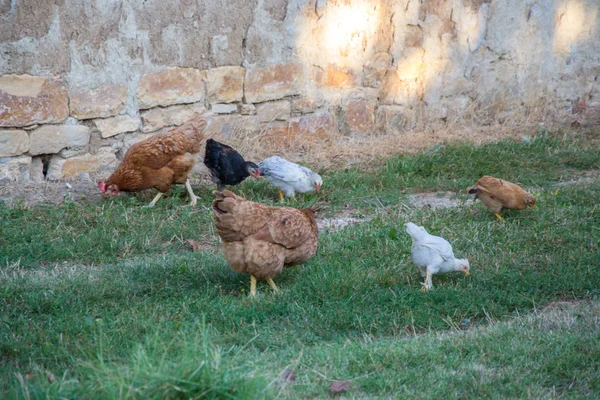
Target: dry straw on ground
{"x": 341, "y": 151}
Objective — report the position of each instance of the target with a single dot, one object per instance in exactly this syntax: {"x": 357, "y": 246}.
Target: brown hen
{"x": 260, "y": 240}
{"x": 497, "y": 194}
{"x": 160, "y": 161}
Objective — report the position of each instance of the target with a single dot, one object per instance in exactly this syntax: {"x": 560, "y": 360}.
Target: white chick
{"x": 289, "y": 177}
{"x": 433, "y": 255}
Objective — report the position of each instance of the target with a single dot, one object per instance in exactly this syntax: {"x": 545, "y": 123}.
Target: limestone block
{"x": 307, "y": 128}
{"x": 308, "y": 103}
{"x": 50, "y": 139}
{"x": 115, "y": 125}
{"x": 340, "y": 77}
{"x": 228, "y": 126}
{"x": 247, "y": 109}
{"x": 224, "y": 84}
{"x": 27, "y": 100}
{"x": 223, "y": 108}
{"x": 375, "y": 69}
{"x": 103, "y": 102}
{"x": 393, "y": 119}
{"x": 273, "y": 111}
{"x": 273, "y": 82}
{"x": 158, "y": 118}
{"x": 36, "y": 171}
{"x": 402, "y": 86}
{"x": 456, "y": 86}
{"x": 70, "y": 168}
{"x": 359, "y": 116}
{"x": 15, "y": 168}
{"x": 13, "y": 142}
{"x": 172, "y": 86}
{"x": 315, "y": 125}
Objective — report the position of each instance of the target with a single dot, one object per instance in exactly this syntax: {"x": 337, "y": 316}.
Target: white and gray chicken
{"x": 433, "y": 255}
{"x": 290, "y": 177}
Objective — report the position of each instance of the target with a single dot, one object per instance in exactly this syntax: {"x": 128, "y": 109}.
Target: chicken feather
{"x": 159, "y": 161}
{"x": 433, "y": 255}
{"x": 261, "y": 240}
{"x": 289, "y": 177}
{"x": 498, "y": 194}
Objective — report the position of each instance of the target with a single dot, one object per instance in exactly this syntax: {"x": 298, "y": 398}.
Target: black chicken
{"x": 226, "y": 165}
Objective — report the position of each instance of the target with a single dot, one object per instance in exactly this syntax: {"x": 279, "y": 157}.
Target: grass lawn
{"x": 107, "y": 300}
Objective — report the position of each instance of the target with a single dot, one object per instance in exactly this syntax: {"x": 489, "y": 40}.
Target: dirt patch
{"x": 77, "y": 190}
{"x": 337, "y": 224}
{"x": 434, "y": 200}
{"x": 589, "y": 176}
{"x": 49, "y": 192}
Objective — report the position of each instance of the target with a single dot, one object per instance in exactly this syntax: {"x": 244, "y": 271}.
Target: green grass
{"x": 107, "y": 301}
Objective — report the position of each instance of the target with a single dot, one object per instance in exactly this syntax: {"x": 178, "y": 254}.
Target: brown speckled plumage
{"x": 162, "y": 160}
{"x": 261, "y": 240}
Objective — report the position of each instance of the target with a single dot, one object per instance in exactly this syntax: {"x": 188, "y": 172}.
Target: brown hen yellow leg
{"x": 272, "y": 284}
{"x": 252, "y": 285}
{"x": 194, "y": 198}
{"x": 156, "y": 198}
{"x": 498, "y": 216}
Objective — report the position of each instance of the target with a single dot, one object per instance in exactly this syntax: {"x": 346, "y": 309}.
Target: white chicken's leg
{"x": 281, "y": 196}
{"x": 272, "y": 284}
{"x": 156, "y": 198}
{"x": 191, "y": 192}
{"x": 427, "y": 285}
{"x": 252, "y": 285}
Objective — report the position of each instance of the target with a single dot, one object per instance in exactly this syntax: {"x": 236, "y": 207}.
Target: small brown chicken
{"x": 497, "y": 194}
{"x": 260, "y": 240}
{"x": 159, "y": 162}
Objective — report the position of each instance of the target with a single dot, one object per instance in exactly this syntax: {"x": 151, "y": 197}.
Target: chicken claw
{"x": 252, "y": 285}
{"x": 156, "y": 198}
{"x": 281, "y": 196}
{"x": 272, "y": 284}
{"x": 194, "y": 198}
{"x": 427, "y": 284}
{"x": 499, "y": 217}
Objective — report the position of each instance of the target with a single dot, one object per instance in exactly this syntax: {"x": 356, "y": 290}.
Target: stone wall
{"x": 80, "y": 81}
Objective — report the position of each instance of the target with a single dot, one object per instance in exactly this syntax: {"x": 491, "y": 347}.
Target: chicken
{"x": 498, "y": 194}
{"x": 433, "y": 255}
{"x": 159, "y": 162}
{"x": 226, "y": 165}
{"x": 260, "y": 240}
{"x": 289, "y": 177}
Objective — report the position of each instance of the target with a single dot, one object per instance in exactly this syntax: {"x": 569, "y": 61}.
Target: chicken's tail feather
{"x": 225, "y": 201}
{"x": 415, "y": 231}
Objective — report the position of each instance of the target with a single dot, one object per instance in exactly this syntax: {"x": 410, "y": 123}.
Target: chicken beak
{"x": 318, "y": 188}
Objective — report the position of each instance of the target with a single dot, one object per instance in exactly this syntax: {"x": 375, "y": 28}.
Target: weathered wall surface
{"x": 80, "y": 81}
